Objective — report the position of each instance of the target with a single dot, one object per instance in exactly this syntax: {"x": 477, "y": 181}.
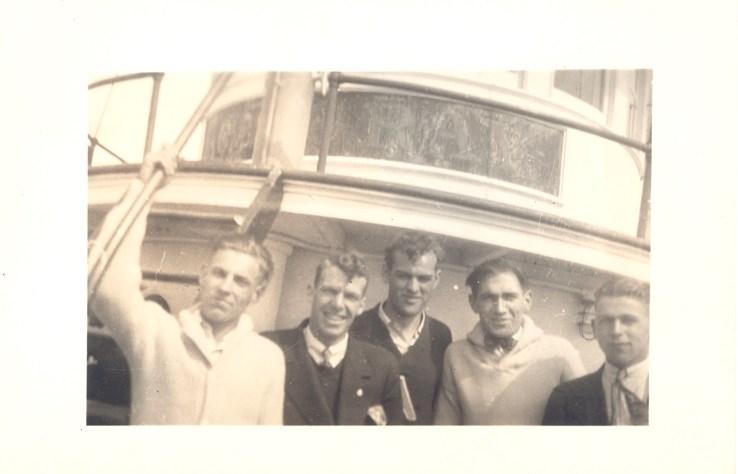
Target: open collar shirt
{"x": 398, "y": 338}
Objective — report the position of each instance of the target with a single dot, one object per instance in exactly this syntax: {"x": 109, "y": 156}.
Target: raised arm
{"x": 118, "y": 301}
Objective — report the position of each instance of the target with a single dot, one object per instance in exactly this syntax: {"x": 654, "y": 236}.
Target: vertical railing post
{"x": 152, "y": 111}
{"x": 645, "y": 214}
{"x": 328, "y": 120}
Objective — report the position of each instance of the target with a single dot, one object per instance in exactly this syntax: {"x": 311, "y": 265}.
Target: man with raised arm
{"x": 616, "y": 394}
{"x": 401, "y": 326}
{"x": 205, "y": 366}
{"x": 332, "y": 377}
{"x": 503, "y": 372}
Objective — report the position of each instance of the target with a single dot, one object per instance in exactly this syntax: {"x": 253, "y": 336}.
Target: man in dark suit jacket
{"x": 617, "y": 394}
{"x": 401, "y": 326}
{"x": 332, "y": 378}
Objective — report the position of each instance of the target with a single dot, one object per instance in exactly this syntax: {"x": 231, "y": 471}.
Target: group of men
{"x": 392, "y": 364}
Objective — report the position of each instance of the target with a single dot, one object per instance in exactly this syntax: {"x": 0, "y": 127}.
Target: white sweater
{"x": 173, "y": 379}
{"x": 480, "y": 388}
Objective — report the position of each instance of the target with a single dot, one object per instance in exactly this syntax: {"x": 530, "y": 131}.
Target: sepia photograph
{"x": 370, "y": 237}
{"x": 322, "y": 248}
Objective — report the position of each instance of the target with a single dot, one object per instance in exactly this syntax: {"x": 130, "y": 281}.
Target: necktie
{"x": 326, "y": 358}
{"x": 493, "y": 342}
{"x": 637, "y": 408}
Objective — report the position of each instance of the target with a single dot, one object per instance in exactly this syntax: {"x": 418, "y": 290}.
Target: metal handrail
{"x": 337, "y": 78}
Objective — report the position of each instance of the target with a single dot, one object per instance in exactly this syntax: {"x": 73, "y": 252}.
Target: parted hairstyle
{"x": 494, "y": 267}
{"x": 622, "y": 286}
{"x": 350, "y": 263}
{"x": 414, "y": 245}
{"x": 253, "y": 248}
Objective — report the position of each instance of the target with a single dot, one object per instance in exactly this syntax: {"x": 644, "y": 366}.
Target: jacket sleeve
{"x": 118, "y": 301}
{"x": 448, "y": 410}
{"x": 555, "y": 413}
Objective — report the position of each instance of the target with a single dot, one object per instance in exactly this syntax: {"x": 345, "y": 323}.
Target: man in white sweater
{"x": 206, "y": 366}
{"x": 504, "y": 371}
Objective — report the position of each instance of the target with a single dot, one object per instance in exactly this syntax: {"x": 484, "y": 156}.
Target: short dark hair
{"x": 253, "y": 248}
{"x": 414, "y": 245}
{"x": 350, "y": 263}
{"x": 622, "y": 286}
{"x": 494, "y": 267}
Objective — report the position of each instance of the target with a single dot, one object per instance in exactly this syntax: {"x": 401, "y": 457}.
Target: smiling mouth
{"x": 334, "y": 318}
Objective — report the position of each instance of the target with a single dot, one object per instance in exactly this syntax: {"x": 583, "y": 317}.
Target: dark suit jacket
{"x": 422, "y": 364}
{"x": 578, "y": 402}
{"x": 369, "y": 377}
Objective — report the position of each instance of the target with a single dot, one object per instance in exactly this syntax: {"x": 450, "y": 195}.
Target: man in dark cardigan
{"x": 401, "y": 326}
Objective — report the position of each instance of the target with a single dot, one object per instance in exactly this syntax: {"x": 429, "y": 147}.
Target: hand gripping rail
{"x": 99, "y": 254}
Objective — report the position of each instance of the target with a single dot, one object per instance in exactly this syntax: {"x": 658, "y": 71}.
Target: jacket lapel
{"x": 354, "y": 394}
{"x": 302, "y": 387}
{"x": 597, "y": 406}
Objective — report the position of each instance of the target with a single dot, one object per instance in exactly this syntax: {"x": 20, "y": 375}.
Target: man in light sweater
{"x": 504, "y": 371}
{"x": 207, "y": 366}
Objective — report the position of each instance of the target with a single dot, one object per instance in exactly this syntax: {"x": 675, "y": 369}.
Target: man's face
{"x": 410, "y": 284}
{"x": 228, "y": 285}
{"x": 336, "y": 302}
{"x": 500, "y": 303}
{"x": 621, "y": 327}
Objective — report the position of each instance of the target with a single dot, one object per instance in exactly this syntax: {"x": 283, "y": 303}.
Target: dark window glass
{"x": 443, "y": 134}
{"x": 229, "y": 136}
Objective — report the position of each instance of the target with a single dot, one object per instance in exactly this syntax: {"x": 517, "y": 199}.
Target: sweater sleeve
{"x": 118, "y": 301}
{"x": 573, "y": 366}
{"x": 273, "y": 407}
{"x": 448, "y": 409}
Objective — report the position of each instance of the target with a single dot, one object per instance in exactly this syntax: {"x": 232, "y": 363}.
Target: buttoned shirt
{"x": 398, "y": 338}
{"x": 316, "y": 349}
{"x": 635, "y": 379}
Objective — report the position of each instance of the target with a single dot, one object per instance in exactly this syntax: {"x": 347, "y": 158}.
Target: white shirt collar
{"x": 192, "y": 319}
{"x": 398, "y": 338}
{"x": 316, "y": 348}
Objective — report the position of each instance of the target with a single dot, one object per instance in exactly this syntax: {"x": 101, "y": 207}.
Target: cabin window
{"x": 230, "y": 134}
{"x": 444, "y": 134}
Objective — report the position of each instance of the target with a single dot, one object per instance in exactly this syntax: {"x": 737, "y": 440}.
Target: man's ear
{"x": 437, "y": 278}
{"x": 385, "y": 273}
{"x": 201, "y": 276}
{"x": 471, "y": 302}
{"x": 528, "y": 297}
